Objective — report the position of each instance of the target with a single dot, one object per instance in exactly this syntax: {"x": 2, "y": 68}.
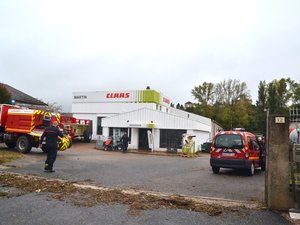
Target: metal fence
{"x": 294, "y": 137}
{"x": 295, "y": 115}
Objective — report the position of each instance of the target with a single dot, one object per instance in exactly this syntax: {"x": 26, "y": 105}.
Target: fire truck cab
{"x": 22, "y": 128}
{"x": 237, "y": 149}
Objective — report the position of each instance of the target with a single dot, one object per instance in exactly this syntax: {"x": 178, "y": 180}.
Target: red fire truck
{"x": 78, "y": 129}
{"x": 22, "y": 128}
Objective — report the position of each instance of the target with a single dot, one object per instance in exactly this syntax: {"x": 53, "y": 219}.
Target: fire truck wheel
{"x": 251, "y": 170}
{"x": 216, "y": 169}
{"x": 10, "y": 144}
{"x": 24, "y": 144}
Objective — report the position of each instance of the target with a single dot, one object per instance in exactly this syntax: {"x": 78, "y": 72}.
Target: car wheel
{"x": 251, "y": 170}
{"x": 216, "y": 169}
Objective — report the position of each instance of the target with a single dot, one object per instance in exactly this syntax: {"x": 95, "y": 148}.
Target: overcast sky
{"x": 49, "y": 49}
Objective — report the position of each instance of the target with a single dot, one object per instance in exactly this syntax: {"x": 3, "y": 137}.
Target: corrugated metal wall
{"x": 109, "y": 108}
{"x": 144, "y": 116}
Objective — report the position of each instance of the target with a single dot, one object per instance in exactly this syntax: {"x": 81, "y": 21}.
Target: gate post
{"x": 278, "y": 171}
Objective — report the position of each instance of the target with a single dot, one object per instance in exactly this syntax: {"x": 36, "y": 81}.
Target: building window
{"x": 171, "y": 139}
{"x": 117, "y": 132}
{"x": 99, "y": 125}
{"x": 111, "y": 132}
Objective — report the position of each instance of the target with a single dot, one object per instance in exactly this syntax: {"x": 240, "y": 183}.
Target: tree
{"x": 204, "y": 93}
{"x": 179, "y": 106}
{"x": 258, "y": 121}
{"x": 262, "y": 95}
{"x": 278, "y": 97}
{"x": 4, "y": 95}
{"x": 226, "y": 102}
{"x": 230, "y": 91}
{"x": 229, "y": 102}
{"x": 202, "y": 109}
{"x": 295, "y": 91}
{"x": 53, "y": 107}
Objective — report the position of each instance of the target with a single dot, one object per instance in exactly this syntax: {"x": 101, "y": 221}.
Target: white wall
{"x": 134, "y": 139}
{"x": 123, "y": 114}
{"x": 109, "y": 108}
{"x": 200, "y": 137}
{"x": 161, "y": 120}
{"x": 105, "y": 131}
{"x": 156, "y": 139}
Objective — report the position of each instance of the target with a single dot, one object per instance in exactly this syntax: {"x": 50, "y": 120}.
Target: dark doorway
{"x": 171, "y": 139}
{"x": 143, "y": 139}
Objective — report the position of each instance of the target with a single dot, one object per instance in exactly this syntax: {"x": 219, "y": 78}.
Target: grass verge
{"x": 7, "y": 156}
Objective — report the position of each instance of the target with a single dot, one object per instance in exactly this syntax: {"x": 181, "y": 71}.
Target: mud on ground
{"x": 81, "y": 194}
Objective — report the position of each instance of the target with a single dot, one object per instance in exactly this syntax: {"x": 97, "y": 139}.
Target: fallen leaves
{"x": 88, "y": 197}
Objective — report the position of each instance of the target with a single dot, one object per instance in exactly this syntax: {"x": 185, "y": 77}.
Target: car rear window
{"x": 229, "y": 141}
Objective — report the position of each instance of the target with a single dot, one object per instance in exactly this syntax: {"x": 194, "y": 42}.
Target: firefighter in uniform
{"x": 49, "y": 139}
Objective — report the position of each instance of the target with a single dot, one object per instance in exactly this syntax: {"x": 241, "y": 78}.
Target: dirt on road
{"x": 88, "y": 196}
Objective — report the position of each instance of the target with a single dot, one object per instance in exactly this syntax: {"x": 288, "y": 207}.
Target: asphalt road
{"x": 188, "y": 176}
{"x": 171, "y": 174}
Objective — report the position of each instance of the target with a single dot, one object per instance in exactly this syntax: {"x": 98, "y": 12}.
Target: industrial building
{"x": 146, "y": 115}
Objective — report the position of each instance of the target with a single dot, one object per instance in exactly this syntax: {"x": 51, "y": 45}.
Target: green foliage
{"x": 230, "y": 91}
{"x": 262, "y": 95}
{"x": 278, "y": 96}
{"x": 204, "y": 93}
{"x": 4, "y": 95}
{"x": 179, "y": 106}
{"x": 229, "y": 102}
{"x": 258, "y": 117}
{"x": 295, "y": 92}
{"x": 226, "y": 102}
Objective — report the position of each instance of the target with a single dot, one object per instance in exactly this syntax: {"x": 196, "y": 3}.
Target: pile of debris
{"x": 88, "y": 196}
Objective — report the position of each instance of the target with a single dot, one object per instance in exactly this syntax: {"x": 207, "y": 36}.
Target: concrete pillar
{"x": 156, "y": 139}
{"x": 278, "y": 171}
{"x": 105, "y": 131}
